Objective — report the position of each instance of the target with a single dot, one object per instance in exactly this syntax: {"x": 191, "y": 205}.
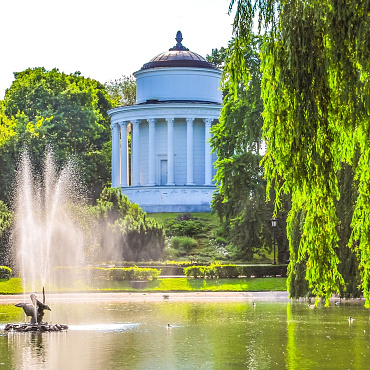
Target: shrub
{"x": 225, "y": 271}
{"x": 111, "y": 273}
{"x": 5, "y": 272}
{"x": 195, "y": 271}
{"x": 189, "y": 227}
{"x": 99, "y": 273}
{"x": 212, "y": 271}
{"x": 132, "y": 233}
{"x": 183, "y": 243}
{"x": 264, "y": 270}
{"x": 134, "y": 273}
{"x": 221, "y": 241}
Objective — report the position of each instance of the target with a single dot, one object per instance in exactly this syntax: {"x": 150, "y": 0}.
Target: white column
{"x": 123, "y": 153}
{"x": 151, "y": 122}
{"x": 207, "y": 152}
{"x": 115, "y": 154}
{"x": 170, "y": 153}
{"x": 135, "y": 152}
{"x": 189, "y": 151}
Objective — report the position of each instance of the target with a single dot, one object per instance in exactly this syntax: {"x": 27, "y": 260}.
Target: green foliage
{"x": 5, "y": 224}
{"x": 195, "y": 271}
{"x": 67, "y": 112}
{"x": 122, "y": 91}
{"x": 225, "y": 271}
{"x": 99, "y": 274}
{"x": 126, "y": 229}
{"x": 133, "y": 273}
{"x": 316, "y": 65}
{"x": 217, "y": 57}
{"x": 213, "y": 271}
{"x": 5, "y": 272}
{"x": 240, "y": 200}
{"x": 182, "y": 244}
{"x": 184, "y": 225}
{"x": 261, "y": 271}
{"x": 219, "y": 271}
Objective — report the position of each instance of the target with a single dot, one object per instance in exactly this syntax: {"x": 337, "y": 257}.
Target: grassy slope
{"x": 209, "y": 217}
{"x": 14, "y": 286}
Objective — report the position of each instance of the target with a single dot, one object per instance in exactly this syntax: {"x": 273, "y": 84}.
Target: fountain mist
{"x": 48, "y": 232}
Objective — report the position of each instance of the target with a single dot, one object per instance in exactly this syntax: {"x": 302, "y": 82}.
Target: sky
{"x": 104, "y": 39}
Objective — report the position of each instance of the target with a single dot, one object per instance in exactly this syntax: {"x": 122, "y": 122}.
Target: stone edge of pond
{"x": 274, "y": 296}
{"x": 73, "y": 296}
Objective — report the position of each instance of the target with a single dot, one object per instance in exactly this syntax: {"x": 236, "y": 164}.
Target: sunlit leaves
{"x": 237, "y": 138}
{"x": 122, "y": 91}
{"x": 315, "y": 64}
{"x": 65, "y": 111}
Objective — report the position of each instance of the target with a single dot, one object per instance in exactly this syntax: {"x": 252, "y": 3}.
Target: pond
{"x": 203, "y": 334}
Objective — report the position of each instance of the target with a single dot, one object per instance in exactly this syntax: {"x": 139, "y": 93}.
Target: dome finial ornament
{"x": 178, "y": 37}
{"x": 179, "y": 45}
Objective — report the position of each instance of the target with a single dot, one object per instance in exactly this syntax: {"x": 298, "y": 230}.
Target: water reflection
{"x": 202, "y": 335}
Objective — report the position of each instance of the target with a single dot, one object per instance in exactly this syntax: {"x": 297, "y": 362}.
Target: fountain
{"x": 47, "y": 236}
{"x": 36, "y": 311}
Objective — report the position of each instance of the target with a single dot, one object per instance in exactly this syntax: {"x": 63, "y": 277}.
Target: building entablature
{"x": 157, "y": 111}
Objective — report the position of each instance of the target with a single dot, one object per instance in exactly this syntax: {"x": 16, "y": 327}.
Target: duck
{"x": 337, "y": 303}
{"x": 169, "y": 326}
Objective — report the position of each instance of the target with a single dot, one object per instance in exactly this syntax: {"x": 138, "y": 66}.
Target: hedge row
{"x": 233, "y": 271}
{"x": 212, "y": 271}
{"x": 5, "y": 272}
{"x": 125, "y": 273}
{"x": 113, "y": 273}
{"x": 263, "y": 270}
{"x": 147, "y": 264}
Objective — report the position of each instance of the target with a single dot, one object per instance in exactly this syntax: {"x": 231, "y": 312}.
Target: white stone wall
{"x": 171, "y": 198}
{"x": 178, "y": 84}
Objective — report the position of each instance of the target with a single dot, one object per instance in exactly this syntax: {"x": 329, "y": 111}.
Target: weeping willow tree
{"x": 316, "y": 92}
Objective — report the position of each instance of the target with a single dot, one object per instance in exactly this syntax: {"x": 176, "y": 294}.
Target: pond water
{"x": 203, "y": 335}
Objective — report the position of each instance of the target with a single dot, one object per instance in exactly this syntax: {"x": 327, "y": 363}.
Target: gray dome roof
{"x": 178, "y": 56}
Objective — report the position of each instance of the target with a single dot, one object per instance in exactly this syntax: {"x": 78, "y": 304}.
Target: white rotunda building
{"x": 167, "y": 166}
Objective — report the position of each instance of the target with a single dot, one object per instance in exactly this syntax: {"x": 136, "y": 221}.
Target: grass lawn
{"x": 14, "y": 286}
{"x": 11, "y": 286}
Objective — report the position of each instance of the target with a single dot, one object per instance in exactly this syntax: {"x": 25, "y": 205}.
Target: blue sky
{"x": 104, "y": 39}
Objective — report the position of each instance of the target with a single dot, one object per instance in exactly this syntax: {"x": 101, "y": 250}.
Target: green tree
{"x": 122, "y": 90}
{"x": 316, "y": 88}
{"x": 217, "y": 57}
{"x": 126, "y": 231}
{"x": 240, "y": 200}
{"x": 7, "y": 138}
{"x": 5, "y": 225}
{"x": 67, "y": 112}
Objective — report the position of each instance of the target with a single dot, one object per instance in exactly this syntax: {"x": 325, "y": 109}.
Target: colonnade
{"x": 120, "y": 152}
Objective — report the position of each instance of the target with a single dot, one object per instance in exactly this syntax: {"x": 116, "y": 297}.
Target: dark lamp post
{"x": 274, "y": 226}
